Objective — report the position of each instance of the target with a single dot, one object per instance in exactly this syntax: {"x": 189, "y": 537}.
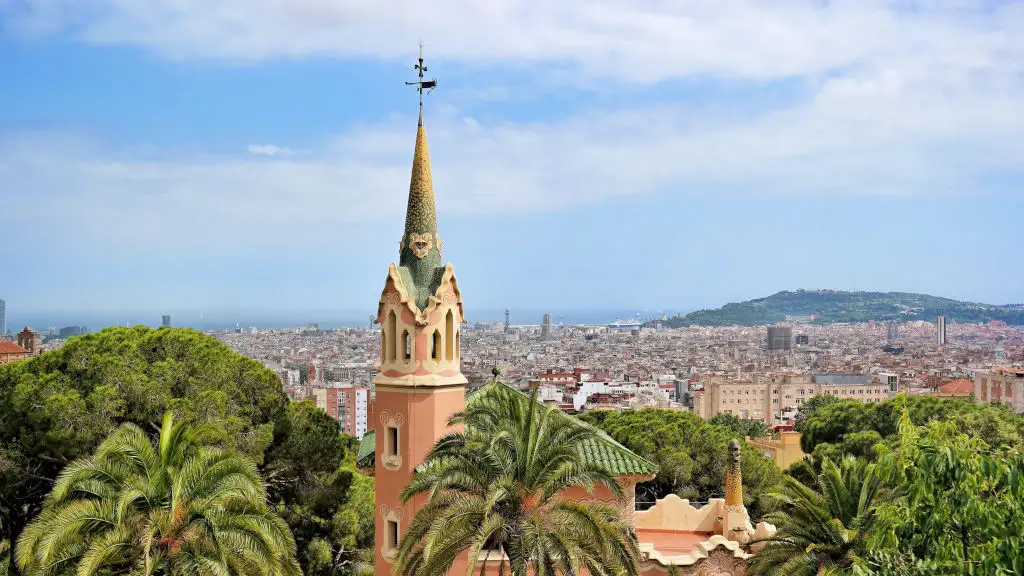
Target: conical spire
{"x": 420, "y": 215}
{"x": 420, "y": 249}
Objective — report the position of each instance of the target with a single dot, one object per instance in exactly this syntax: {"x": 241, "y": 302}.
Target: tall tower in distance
{"x": 940, "y": 331}
{"x": 165, "y": 320}
{"x": 3, "y": 319}
{"x": 508, "y": 323}
{"x": 420, "y": 383}
{"x": 545, "y": 327}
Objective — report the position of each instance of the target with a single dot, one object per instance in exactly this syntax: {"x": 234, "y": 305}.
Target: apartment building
{"x": 775, "y": 398}
{"x": 350, "y": 405}
{"x": 1001, "y": 384}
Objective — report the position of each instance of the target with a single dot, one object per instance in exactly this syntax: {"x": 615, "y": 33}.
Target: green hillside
{"x": 831, "y": 306}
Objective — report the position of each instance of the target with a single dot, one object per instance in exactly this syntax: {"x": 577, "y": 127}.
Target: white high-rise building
{"x": 3, "y": 319}
{"x": 940, "y": 331}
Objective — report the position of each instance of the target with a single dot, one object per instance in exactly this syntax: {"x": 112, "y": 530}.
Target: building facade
{"x": 775, "y": 398}
{"x": 348, "y": 404}
{"x": 1001, "y": 384}
{"x": 10, "y": 352}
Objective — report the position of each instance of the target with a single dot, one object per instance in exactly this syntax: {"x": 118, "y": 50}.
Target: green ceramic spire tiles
{"x": 420, "y": 252}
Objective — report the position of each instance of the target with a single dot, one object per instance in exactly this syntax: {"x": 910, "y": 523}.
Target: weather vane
{"x": 422, "y": 84}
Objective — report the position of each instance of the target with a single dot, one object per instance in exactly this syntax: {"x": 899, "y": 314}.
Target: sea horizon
{"x": 326, "y": 319}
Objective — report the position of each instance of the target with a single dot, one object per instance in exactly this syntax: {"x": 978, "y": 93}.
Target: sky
{"x": 587, "y": 154}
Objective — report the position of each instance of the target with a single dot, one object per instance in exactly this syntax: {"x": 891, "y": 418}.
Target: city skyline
{"x": 162, "y": 165}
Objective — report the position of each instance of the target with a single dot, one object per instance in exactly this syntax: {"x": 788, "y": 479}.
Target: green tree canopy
{"x": 326, "y": 502}
{"x": 808, "y": 408}
{"x": 175, "y": 507}
{"x": 59, "y": 406}
{"x": 742, "y": 427}
{"x": 838, "y": 423}
{"x": 691, "y": 453}
{"x": 958, "y": 506}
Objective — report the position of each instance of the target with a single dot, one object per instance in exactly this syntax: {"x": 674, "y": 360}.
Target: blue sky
{"x": 588, "y": 154}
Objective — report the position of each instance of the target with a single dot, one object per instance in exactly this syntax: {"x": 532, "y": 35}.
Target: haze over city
{"x": 253, "y": 156}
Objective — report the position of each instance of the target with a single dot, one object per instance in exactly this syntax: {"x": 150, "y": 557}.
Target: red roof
{"x": 8, "y": 347}
{"x": 959, "y": 387}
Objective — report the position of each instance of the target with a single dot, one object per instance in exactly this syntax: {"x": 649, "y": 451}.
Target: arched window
{"x": 435, "y": 351}
{"x": 391, "y": 333}
{"x": 406, "y": 345}
{"x": 458, "y": 345}
{"x": 449, "y": 327}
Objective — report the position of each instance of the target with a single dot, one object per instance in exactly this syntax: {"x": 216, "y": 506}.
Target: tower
{"x": 940, "y": 331}
{"x": 420, "y": 383}
{"x": 3, "y": 319}
{"x": 29, "y": 340}
{"x": 165, "y": 320}
{"x": 545, "y": 327}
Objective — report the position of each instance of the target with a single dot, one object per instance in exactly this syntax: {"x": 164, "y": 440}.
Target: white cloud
{"x": 269, "y": 150}
{"x": 892, "y": 133}
{"x": 634, "y": 40}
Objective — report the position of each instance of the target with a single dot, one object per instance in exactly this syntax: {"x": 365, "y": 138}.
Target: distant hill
{"x": 832, "y": 306}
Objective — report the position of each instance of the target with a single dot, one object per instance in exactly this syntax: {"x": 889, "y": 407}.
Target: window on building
{"x": 392, "y": 441}
{"x": 457, "y": 343}
{"x": 391, "y": 332}
{"x": 406, "y": 345}
{"x": 435, "y": 351}
{"x": 392, "y": 535}
{"x": 449, "y": 326}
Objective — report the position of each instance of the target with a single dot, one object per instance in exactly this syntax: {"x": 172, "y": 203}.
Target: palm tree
{"x": 497, "y": 486}
{"x": 174, "y": 508}
{"x": 821, "y": 533}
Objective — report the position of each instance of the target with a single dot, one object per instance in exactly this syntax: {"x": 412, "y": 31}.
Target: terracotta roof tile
{"x": 959, "y": 387}
{"x": 8, "y": 347}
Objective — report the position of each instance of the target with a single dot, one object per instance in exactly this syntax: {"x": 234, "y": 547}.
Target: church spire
{"x": 420, "y": 248}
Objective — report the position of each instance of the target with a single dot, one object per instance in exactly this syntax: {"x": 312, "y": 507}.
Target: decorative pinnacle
{"x": 422, "y": 84}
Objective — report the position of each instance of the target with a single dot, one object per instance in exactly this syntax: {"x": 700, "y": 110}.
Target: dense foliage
{"x": 830, "y": 306}
{"x": 59, "y": 406}
{"x": 825, "y": 530}
{"x": 328, "y": 508}
{"x": 948, "y": 500}
{"x": 495, "y": 487}
{"x": 742, "y": 427}
{"x": 852, "y": 427}
{"x": 691, "y": 454}
{"x": 178, "y": 507}
{"x": 958, "y": 505}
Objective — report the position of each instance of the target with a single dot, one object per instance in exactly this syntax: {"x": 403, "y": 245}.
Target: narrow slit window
{"x": 435, "y": 353}
{"x": 392, "y": 536}
{"x": 407, "y": 344}
{"x": 392, "y": 441}
{"x": 449, "y": 326}
{"x": 457, "y": 344}
{"x": 391, "y": 332}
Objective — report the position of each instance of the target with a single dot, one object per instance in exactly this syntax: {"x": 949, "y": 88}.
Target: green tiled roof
{"x": 367, "y": 448}
{"x": 601, "y": 449}
{"x": 615, "y": 457}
